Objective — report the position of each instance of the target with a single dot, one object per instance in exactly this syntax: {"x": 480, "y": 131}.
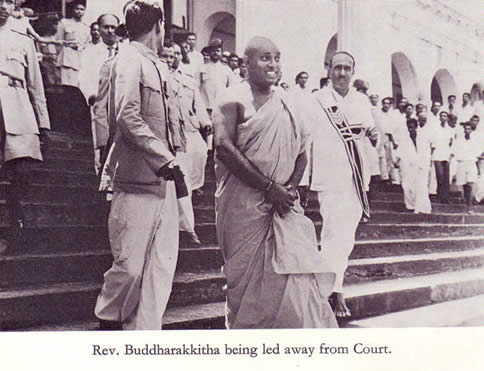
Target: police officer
{"x": 24, "y": 119}
{"x": 192, "y": 155}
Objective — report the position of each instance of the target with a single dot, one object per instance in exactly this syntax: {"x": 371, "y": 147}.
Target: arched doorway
{"x": 443, "y": 85}
{"x": 404, "y": 79}
{"x": 222, "y": 25}
{"x": 330, "y": 50}
{"x": 477, "y": 91}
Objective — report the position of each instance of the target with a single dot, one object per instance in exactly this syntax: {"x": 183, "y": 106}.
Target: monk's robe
{"x": 271, "y": 262}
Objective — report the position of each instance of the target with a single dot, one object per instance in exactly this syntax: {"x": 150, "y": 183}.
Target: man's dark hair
{"x": 100, "y": 18}
{"x": 476, "y": 117}
{"x": 323, "y": 82}
{"x": 121, "y": 31}
{"x": 436, "y": 101}
{"x": 450, "y": 96}
{"x": 93, "y": 24}
{"x": 168, "y": 43}
{"x": 408, "y": 105}
{"x": 387, "y": 98}
{"x": 412, "y": 121}
{"x": 342, "y": 52}
{"x": 300, "y": 74}
{"x": 452, "y": 118}
{"x": 466, "y": 94}
{"x": 205, "y": 50}
{"x": 191, "y": 34}
{"x": 402, "y": 98}
{"x": 141, "y": 16}
{"x": 444, "y": 112}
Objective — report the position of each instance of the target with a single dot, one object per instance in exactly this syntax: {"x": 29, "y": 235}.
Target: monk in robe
{"x": 274, "y": 270}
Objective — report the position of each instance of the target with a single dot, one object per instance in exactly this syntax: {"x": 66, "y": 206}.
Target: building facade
{"x": 422, "y": 49}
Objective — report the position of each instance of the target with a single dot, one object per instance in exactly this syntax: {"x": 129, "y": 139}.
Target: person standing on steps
{"x": 24, "y": 121}
{"x": 143, "y": 220}
{"x": 275, "y": 276}
{"x": 337, "y": 173}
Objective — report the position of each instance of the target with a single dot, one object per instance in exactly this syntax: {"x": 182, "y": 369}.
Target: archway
{"x": 330, "y": 50}
{"x": 404, "y": 78}
{"x": 443, "y": 85}
{"x": 222, "y": 25}
{"x": 477, "y": 91}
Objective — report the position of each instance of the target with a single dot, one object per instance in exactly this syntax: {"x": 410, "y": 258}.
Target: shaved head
{"x": 263, "y": 62}
{"x": 258, "y": 43}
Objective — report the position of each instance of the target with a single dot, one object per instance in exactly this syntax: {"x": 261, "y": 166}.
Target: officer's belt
{"x": 9, "y": 81}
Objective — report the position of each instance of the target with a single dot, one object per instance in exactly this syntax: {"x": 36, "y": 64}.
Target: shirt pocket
{"x": 151, "y": 98}
{"x": 17, "y": 63}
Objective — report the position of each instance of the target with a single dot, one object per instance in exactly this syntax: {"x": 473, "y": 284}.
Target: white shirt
{"x": 196, "y": 60}
{"x": 467, "y": 150}
{"x": 425, "y": 143}
{"x": 464, "y": 114}
{"x": 331, "y": 169}
{"x": 442, "y": 137}
{"x": 214, "y": 79}
{"x": 92, "y": 59}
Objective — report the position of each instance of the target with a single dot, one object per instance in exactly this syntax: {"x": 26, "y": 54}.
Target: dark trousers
{"x": 442, "y": 174}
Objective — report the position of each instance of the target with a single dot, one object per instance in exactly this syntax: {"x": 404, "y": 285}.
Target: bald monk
{"x": 272, "y": 265}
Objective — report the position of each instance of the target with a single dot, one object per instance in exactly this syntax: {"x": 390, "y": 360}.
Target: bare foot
{"x": 339, "y": 305}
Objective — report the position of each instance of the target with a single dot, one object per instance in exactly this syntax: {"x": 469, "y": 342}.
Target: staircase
{"x": 401, "y": 262}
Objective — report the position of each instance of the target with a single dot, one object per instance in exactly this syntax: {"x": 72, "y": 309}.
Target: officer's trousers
{"x": 143, "y": 232}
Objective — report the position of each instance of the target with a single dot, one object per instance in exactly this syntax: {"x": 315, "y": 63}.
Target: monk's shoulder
{"x": 234, "y": 95}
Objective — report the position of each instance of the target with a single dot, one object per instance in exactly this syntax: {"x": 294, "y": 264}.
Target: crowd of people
{"x": 157, "y": 108}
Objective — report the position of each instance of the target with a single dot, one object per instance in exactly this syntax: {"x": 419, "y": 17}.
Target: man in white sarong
{"x": 275, "y": 273}
{"x": 425, "y": 150}
{"x": 143, "y": 220}
{"x": 343, "y": 115}
{"x": 412, "y": 170}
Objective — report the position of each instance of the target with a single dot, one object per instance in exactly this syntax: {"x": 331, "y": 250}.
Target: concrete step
{"x": 45, "y": 238}
{"x": 206, "y": 214}
{"x": 65, "y": 177}
{"x": 58, "y": 213}
{"x": 198, "y": 316}
{"x": 377, "y": 298}
{"x": 71, "y": 266}
{"x": 88, "y": 265}
{"x": 396, "y": 267}
{"x": 398, "y": 247}
{"x": 207, "y": 233}
{"x": 453, "y": 313}
{"x": 57, "y": 193}
{"x": 61, "y": 151}
{"x": 56, "y": 303}
{"x": 365, "y": 300}
{"x": 372, "y": 239}
{"x": 67, "y": 162}
{"x": 70, "y": 142}
{"x": 436, "y": 207}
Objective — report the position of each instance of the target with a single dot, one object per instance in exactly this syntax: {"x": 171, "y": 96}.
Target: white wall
{"x": 97, "y": 7}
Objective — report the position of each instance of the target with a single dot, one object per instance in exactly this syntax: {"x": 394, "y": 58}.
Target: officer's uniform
{"x": 193, "y": 155}
{"x": 22, "y": 110}
{"x": 69, "y": 59}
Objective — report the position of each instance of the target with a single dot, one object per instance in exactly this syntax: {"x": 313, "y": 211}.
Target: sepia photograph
{"x": 200, "y": 166}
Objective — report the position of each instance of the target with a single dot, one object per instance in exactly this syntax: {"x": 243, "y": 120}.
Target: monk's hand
{"x": 281, "y": 197}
